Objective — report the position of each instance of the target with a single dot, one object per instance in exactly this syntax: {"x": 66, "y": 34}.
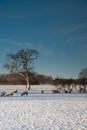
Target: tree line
{"x": 38, "y": 79}
{"x": 34, "y": 79}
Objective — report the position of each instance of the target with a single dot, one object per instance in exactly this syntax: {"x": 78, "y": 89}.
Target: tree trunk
{"x": 26, "y": 77}
{"x": 27, "y": 82}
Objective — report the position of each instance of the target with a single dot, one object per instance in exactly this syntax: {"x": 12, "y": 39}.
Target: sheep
{"x": 2, "y": 94}
{"x": 24, "y": 93}
{"x": 9, "y": 94}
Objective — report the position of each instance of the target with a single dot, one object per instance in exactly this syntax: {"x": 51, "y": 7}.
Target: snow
{"x": 44, "y": 111}
{"x": 23, "y": 87}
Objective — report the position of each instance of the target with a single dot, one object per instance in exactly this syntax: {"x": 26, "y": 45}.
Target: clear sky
{"x": 55, "y": 28}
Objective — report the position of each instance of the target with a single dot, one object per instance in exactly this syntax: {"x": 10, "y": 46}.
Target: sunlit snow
{"x": 44, "y": 112}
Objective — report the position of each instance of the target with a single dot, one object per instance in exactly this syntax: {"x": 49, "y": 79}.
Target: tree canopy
{"x": 21, "y": 61}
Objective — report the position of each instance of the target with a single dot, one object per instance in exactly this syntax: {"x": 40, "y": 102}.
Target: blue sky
{"x": 57, "y": 29}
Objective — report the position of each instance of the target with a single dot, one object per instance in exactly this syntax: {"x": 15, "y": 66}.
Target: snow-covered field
{"x": 43, "y": 111}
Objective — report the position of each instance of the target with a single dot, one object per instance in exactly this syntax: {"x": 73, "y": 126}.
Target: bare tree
{"x": 21, "y": 62}
{"x": 83, "y": 73}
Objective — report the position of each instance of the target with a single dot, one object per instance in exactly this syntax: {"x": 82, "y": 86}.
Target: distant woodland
{"x": 16, "y": 79}
{"x": 34, "y": 78}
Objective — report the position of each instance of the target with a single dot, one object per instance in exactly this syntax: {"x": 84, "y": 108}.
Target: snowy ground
{"x": 44, "y": 112}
